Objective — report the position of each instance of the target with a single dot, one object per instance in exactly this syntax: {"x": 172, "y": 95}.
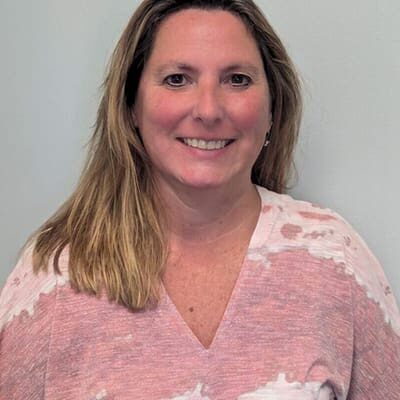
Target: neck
{"x": 208, "y": 215}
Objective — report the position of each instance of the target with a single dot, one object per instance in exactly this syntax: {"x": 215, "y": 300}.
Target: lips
{"x": 206, "y": 144}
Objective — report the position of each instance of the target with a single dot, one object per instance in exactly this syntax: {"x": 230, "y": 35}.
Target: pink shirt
{"x": 311, "y": 317}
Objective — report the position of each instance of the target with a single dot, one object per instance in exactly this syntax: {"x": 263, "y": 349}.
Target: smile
{"x": 206, "y": 144}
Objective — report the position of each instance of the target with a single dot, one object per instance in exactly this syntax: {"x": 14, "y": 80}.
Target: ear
{"x": 271, "y": 123}
{"x": 134, "y": 119}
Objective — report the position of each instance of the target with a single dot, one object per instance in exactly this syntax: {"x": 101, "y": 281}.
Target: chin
{"x": 208, "y": 182}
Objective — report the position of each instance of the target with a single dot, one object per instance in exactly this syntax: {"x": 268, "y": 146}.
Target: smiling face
{"x": 203, "y": 103}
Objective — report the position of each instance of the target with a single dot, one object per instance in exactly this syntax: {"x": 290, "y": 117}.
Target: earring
{"x": 268, "y": 135}
{"x": 267, "y": 139}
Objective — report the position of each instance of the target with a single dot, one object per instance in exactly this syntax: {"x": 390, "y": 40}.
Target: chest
{"x": 271, "y": 338}
{"x": 201, "y": 289}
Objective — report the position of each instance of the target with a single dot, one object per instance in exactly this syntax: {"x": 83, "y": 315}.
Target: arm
{"x": 26, "y": 309}
{"x": 375, "y": 372}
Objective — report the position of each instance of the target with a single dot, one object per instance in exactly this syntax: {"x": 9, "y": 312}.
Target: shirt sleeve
{"x": 375, "y": 371}
{"x": 26, "y": 311}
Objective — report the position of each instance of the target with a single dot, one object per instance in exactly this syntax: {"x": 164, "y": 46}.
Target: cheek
{"x": 161, "y": 111}
{"x": 252, "y": 114}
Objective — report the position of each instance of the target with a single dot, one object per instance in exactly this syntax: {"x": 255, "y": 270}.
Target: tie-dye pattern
{"x": 311, "y": 317}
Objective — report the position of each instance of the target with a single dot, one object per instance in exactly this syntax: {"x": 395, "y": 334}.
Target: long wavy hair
{"x": 112, "y": 224}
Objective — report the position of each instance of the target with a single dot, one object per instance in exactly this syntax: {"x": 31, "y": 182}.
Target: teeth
{"x": 206, "y": 145}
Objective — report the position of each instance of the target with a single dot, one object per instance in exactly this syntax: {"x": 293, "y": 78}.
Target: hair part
{"x": 112, "y": 224}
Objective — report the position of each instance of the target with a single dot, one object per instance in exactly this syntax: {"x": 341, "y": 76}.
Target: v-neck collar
{"x": 260, "y": 233}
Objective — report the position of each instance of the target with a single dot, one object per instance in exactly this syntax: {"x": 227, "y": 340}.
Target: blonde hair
{"x": 112, "y": 224}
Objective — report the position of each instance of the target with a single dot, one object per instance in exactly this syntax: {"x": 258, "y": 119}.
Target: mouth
{"x": 206, "y": 144}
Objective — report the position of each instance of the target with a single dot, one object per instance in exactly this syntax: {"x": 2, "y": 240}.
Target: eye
{"x": 175, "y": 80}
{"x": 240, "y": 80}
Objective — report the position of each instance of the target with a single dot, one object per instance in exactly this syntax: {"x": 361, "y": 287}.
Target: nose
{"x": 208, "y": 106}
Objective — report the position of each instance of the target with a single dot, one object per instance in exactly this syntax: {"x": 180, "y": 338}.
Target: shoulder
{"x": 304, "y": 223}
{"x": 24, "y": 288}
{"x": 326, "y": 235}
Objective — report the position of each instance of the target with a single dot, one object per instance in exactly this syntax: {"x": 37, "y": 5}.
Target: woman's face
{"x": 203, "y": 102}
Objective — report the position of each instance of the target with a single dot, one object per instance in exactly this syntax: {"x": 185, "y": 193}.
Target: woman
{"x": 178, "y": 269}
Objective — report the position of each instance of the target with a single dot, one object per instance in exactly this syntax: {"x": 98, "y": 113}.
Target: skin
{"x": 204, "y": 80}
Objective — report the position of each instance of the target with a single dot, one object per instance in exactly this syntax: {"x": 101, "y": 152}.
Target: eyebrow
{"x": 181, "y": 66}
{"x": 245, "y": 67}
{"x": 174, "y": 65}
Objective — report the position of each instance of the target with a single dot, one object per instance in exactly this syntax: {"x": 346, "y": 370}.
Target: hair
{"x": 112, "y": 225}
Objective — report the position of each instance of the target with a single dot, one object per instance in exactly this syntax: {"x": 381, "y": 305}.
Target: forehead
{"x": 192, "y": 30}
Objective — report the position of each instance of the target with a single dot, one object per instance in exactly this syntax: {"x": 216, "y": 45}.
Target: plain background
{"x": 53, "y": 57}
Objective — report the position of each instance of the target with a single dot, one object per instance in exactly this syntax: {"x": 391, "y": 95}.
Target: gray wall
{"x": 52, "y": 63}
